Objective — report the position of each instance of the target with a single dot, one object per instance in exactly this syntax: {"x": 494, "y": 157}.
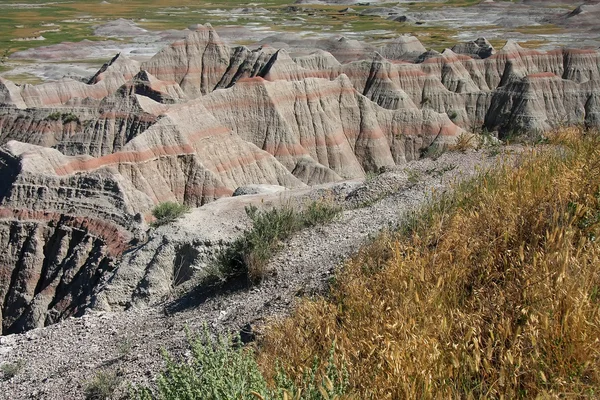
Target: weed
{"x": 452, "y": 115}
{"x": 168, "y": 212}
{"x": 220, "y": 370}
{"x": 70, "y": 117}
{"x": 102, "y": 386}
{"x": 319, "y": 212}
{"x": 10, "y": 370}
{"x": 64, "y": 117}
{"x": 372, "y": 200}
{"x": 433, "y": 151}
{"x": 217, "y": 370}
{"x": 413, "y": 176}
{"x": 124, "y": 347}
{"x": 370, "y": 176}
{"x": 464, "y": 142}
{"x": 437, "y": 172}
{"x": 249, "y": 254}
{"x": 55, "y": 116}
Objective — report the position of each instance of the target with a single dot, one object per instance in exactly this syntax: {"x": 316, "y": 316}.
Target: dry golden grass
{"x": 491, "y": 293}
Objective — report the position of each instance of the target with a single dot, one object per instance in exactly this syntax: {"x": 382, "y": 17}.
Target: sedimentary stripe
{"x": 116, "y": 239}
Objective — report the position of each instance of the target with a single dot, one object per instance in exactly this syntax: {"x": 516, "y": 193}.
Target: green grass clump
{"x": 10, "y": 370}
{"x": 70, "y": 117}
{"x": 55, "y": 116}
{"x": 64, "y": 117}
{"x": 250, "y": 254}
{"x": 221, "y": 370}
{"x": 102, "y": 386}
{"x": 168, "y": 212}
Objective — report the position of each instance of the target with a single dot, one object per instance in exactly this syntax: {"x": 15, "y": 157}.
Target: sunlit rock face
{"x": 83, "y": 164}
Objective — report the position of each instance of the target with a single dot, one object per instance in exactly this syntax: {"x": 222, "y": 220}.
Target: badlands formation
{"x": 84, "y": 163}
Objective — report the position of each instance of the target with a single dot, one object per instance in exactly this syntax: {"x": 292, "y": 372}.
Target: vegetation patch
{"x": 102, "y": 386}
{"x": 10, "y": 370}
{"x": 491, "y": 292}
{"x": 219, "y": 370}
{"x": 64, "y": 117}
{"x": 248, "y": 256}
{"x": 168, "y": 212}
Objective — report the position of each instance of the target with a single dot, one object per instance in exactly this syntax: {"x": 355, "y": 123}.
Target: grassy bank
{"x": 491, "y": 292}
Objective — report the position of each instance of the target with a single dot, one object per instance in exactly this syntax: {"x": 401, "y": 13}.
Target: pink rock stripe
{"x": 116, "y": 239}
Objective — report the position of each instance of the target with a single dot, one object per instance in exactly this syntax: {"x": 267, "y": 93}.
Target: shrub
{"x": 489, "y": 292}
{"x": 168, "y": 212}
{"x": 370, "y": 176}
{"x": 216, "y": 371}
{"x": 64, "y": 117}
{"x": 433, "y": 151}
{"x": 55, "y": 116}
{"x": 319, "y": 212}
{"x": 248, "y": 255}
{"x": 102, "y": 386}
{"x": 70, "y": 117}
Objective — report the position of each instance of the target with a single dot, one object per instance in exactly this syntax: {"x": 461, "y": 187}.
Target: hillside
{"x": 374, "y": 215}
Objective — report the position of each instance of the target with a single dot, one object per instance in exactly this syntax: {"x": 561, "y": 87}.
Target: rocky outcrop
{"x": 69, "y": 92}
{"x": 196, "y": 63}
{"x": 327, "y": 124}
{"x": 479, "y": 48}
{"x": 61, "y": 234}
{"x": 404, "y": 47}
{"x": 83, "y": 164}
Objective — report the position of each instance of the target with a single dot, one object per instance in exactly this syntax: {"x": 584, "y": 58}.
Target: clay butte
{"x": 84, "y": 163}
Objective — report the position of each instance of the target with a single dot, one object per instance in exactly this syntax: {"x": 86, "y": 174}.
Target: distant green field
{"x": 72, "y": 21}
{"x": 59, "y": 21}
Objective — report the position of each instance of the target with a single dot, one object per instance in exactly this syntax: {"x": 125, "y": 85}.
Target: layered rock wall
{"x": 83, "y": 164}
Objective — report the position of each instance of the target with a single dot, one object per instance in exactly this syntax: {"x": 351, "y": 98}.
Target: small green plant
{"x": 319, "y": 212}
{"x": 413, "y": 176}
{"x": 124, "y": 347}
{"x": 317, "y": 382}
{"x": 437, "y": 172}
{"x": 64, "y": 117}
{"x": 70, "y": 117}
{"x": 102, "y": 386}
{"x": 370, "y": 175}
{"x": 168, "y": 212}
{"x": 250, "y": 253}
{"x": 10, "y": 370}
{"x": 55, "y": 116}
{"x": 452, "y": 115}
{"x": 219, "y": 369}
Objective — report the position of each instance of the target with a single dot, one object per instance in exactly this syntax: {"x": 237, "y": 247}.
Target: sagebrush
{"x": 10, "y": 370}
